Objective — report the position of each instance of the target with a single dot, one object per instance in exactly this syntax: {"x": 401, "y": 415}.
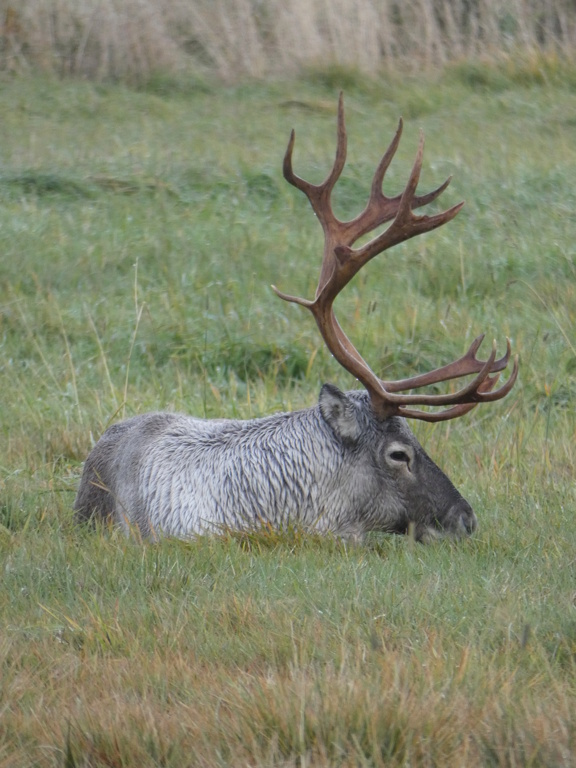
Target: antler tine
{"x": 464, "y": 366}
{"x": 380, "y": 208}
{"x": 484, "y": 395}
{"x": 384, "y": 164}
{"x": 319, "y": 194}
{"x": 405, "y": 224}
{"x": 341, "y": 262}
{"x": 433, "y": 416}
{"x": 489, "y": 396}
{"x": 466, "y": 394}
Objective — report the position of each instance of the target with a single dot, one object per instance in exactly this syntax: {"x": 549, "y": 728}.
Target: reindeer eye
{"x": 400, "y": 456}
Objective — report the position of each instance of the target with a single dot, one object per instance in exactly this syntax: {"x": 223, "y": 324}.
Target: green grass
{"x": 139, "y": 235}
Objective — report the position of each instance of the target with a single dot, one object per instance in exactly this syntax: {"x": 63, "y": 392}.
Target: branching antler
{"x": 341, "y": 262}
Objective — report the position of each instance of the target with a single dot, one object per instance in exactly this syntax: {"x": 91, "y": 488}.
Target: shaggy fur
{"x": 333, "y": 467}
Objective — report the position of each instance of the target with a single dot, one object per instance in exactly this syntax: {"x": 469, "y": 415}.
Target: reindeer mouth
{"x": 460, "y": 528}
{"x": 459, "y": 523}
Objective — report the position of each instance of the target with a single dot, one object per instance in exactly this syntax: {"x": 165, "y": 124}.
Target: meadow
{"x": 140, "y": 230}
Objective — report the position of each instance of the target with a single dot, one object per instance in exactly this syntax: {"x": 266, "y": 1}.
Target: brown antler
{"x": 341, "y": 262}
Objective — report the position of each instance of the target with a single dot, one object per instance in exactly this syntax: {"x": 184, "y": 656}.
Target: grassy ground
{"x": 139, "y": 234}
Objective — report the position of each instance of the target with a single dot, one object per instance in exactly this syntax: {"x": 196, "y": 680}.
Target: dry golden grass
{"x": 65, "y": 704}
{"x": 136, "y": 40}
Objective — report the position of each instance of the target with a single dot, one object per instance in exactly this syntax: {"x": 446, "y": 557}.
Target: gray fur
{"x": 331, "y": 468}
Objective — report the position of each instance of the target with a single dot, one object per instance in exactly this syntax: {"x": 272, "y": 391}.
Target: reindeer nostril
{"x": 468, "y": 520}
{"x": 462, "y": 519}
{"x": 470, "y": 524}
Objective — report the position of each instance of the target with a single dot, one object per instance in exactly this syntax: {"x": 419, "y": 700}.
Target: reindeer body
{"x": 333, "y": 467}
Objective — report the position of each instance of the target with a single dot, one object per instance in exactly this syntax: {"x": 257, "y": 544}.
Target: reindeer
{"x": 348, "y": 465}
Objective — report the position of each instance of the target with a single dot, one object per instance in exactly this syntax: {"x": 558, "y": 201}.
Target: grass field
{"x": 140, "y": 232}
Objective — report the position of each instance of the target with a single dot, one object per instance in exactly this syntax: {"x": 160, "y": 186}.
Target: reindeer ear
{"x": 339, "y": 412}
